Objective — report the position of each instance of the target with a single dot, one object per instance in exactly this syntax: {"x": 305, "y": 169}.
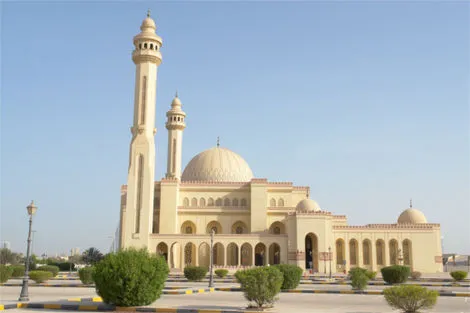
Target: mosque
{"x": 253, "y": 221}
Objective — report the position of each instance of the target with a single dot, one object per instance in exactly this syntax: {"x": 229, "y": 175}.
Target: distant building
{"x": 6, "y": 245}
{"x": 75, "y": 251}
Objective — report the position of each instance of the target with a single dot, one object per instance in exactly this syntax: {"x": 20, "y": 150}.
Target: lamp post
{"x": 211, "y": 258}
{"x": 24, "y": 289}
{"x": 329, "y": 258}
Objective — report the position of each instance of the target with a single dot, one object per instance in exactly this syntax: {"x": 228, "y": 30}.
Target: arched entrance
{"x": 274, "y": 254}
{"x": 162, "y": 250}
{"x": 407, "y": 253}
{"x": 340, "y": 255}
{"x": 190, "y": 254}
{"x": 232, "y": 254}
{"x": 203, "y": 254}
{"x": 218, "y": 256}
{"x": 246, "y": 254}
{"x": 260, "y": 254}
{"x": 311, "y": 252}
{"x": 175, "y": 253}
{"x": 393, "y": 247}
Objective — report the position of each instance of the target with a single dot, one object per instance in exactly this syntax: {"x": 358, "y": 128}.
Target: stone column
{"x": 239, "y": 256}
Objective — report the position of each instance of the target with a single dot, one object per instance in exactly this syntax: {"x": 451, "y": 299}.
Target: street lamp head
{"x": 31, "y": 208}
{"x": 329, "y": 249}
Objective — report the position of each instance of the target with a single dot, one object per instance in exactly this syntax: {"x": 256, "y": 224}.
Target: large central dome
{"x": 217, "y": 164}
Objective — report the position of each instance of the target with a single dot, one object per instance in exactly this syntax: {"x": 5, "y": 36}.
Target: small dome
{"x": 176, "y": 102}
{"x": 217, "y": 164}
{"x": 148, "y": 23}
{"x": 412, "y": 216}
{"x": 307, "y": 205}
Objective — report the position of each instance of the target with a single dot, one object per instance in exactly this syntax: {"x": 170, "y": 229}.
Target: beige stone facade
{"x": 256, "y": 221}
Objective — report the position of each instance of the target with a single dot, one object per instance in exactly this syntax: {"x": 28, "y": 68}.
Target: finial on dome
{"x": 176, "y": 93}
{"x": 218, "y": 141}
{"x": 411, "y": 203}
{"x": 148, "y": 13}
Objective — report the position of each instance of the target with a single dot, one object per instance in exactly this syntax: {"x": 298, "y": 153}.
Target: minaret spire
{"x": 137, "y": 207}
{"x": 218, "y": 141}
{"x": 148, "y": 13}
{"x": 411, "y": 203}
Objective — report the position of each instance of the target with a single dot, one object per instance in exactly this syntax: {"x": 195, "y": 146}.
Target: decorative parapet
{"x": 212, "y": 183}
{"x": 387, "y": 226}
{"x": 313, "y": 213}
{"x": 169, "y": 180}
{"x": 259, "y": 180}
{"x": 302, "y": 188}
{"x": 123, "y": 189}
{"x": 339, "y": 217}
{"x": 280, "y": 184}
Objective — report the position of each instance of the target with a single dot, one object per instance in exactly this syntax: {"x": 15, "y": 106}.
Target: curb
{"x": 165, "y": 292}
{"x": 107, "y": 308}
{"x": 350, "y": 292}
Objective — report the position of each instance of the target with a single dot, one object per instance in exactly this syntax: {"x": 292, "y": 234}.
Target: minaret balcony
{"x": 141, "y": 56}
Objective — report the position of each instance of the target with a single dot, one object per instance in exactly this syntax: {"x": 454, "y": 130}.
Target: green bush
{"x": 410, "y": 298}
{"x": 54, "y": 270}
{"x": 86, "y": 275}
{"x": 195, "y": 273}
{"x": 5, "y": 273}
{"x": 458, "y": 275}
{"x": 130, "y": 277}
{"x": 40, "y": 276}
{"x": 291, "y": 275}
{"x": 395, "y": 274}
{"x": 221, "y": 272}
{"x": 261, "y": 284}
{"x": 359, "y": 281}
{"x": 371, "y": 274}
{"x": 17, "y": 270}
{"x": 415, "y": 275}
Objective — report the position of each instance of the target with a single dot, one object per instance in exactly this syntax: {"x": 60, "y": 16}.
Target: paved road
{"x": 299, "y": 303}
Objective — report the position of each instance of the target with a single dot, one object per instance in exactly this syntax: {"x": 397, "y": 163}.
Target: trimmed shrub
{"x": 86, "y": 275}
{"x": 221, "y": 272}
{"x": 5, "y": 273}
{"x": 40, "y": 276}
{"x": 458, "y": 275}
{"x": 415, "y": 275}
{"x": 395, "y": 274}
{"x": 54, "y": 270}
{"x": 130, "y": 277}
{"x": 359, "y": 281}
{"x": 410, "y": 298}
{"x": 63, "y": 266}
{"x": 195, "y": 273}
{"x": 291, "y": 275}
{"x": 371, "y": 274}
{"x": 17, "y": 270}
{"x": 261, "y": 284}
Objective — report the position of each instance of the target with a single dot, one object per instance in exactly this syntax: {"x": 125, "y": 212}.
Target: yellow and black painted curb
{"x": 107, "y": 308}
{"x": 350, "y": 292}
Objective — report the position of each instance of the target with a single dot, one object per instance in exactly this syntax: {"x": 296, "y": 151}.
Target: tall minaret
{"x": 136, "y": 213}
{"x": 175, "y": 125}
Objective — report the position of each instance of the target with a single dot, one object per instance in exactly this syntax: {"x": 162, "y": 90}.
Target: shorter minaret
{"x": 175, "y": 125}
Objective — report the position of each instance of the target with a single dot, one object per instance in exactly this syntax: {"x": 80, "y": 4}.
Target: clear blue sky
{"x": 367, "y": 103}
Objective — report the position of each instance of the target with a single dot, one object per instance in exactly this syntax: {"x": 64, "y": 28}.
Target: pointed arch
{"x": 280, "y": 202}
{"x": 190, "y": 254}
{"x": 235, "y": 202}
{"x": 214, "y": 225}
{"x": 274, "y": 254}
{"x": 162, "y": 250}
{"x": 272, "y": 202}
{"x": 407, "y": 253}
{"x": 204, "y": 254}
{"x": 202, "y": 202}
{"x": 366, "y": 248}
{"x": 186, "y": 202}
{"x": 393, "y": 247}
{"x": 340, "y": 252}
{"x": 218, "y": 202}
{"x": 188, "y": 227}
{"x": 239, "y": 228}
{"x": 232, "y": 254}
{"x": 218, "y": 254}
{"x": 353, "y": 252}
{"x": 311, "y": 252}
{"x": 380, "y": 251}
{"x": 243, "y": 202}
{"x": 260, "y": 254}
{"x": 277, "y": 228}
{"x": 194, "y": 202}
{"x": 210, "y": 202}
{"x": 246, "y": 254}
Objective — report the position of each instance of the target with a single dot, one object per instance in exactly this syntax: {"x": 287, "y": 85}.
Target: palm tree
{"x": 92, "y": 256}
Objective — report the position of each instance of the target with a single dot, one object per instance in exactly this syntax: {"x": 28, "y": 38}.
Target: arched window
{"x": 277, "y": 230}
{"x": 218, "y": 202}
{"x": 210, "y": 202}
{"x": 235, "y": 202}
{"x": 202, "y": 202}
{"x": 380, "y": 250}
{"x": 239, "y": 230}
{"x": 226, "y": 202}
{"x": 280, "y": 202}
{"x": 353, "y": 252}
{"x": 151, "y": 46}
{"x": 186, "y": 202}
{"x": 366, "y": 252}
{"x": 243, "y": 202}
{"x": 272, "y": 203}
{"x": 145, "y": 45}
{"x": 194, "y": 202}
{"x": 140, "y": 46}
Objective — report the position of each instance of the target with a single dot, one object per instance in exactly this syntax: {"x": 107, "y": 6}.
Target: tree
{"x": 8, "y": 257}
{"x": 76, "y": 259}
{"x": 92, "y": 256}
